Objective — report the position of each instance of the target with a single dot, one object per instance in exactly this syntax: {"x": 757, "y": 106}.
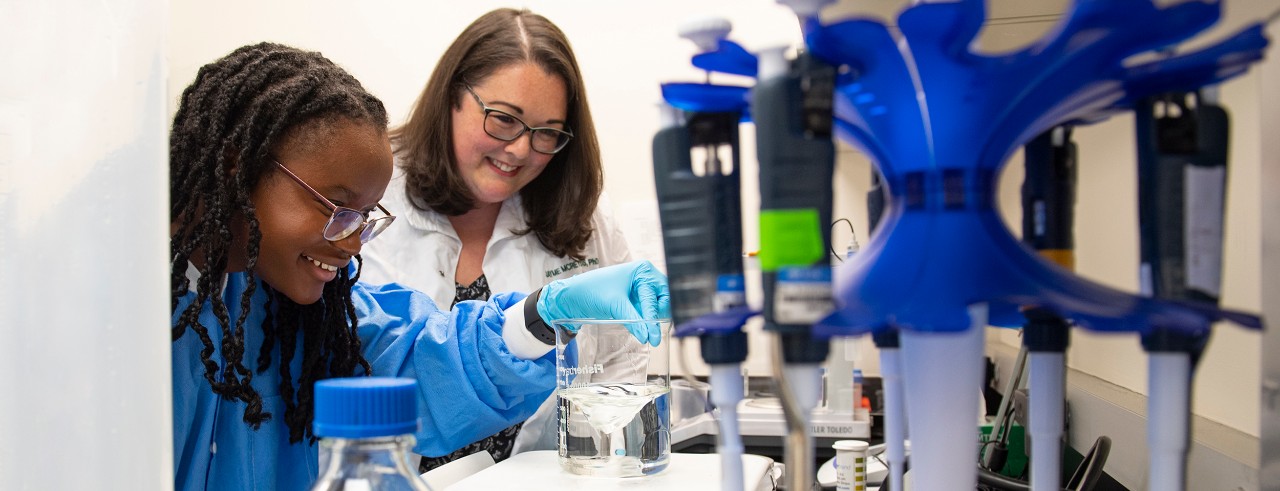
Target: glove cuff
{"x": 535, "y": 324}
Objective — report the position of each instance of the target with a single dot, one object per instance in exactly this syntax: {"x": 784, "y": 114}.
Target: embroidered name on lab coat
{"x": 572, "y": 265}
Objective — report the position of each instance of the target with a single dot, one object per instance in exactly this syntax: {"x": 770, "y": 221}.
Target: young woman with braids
{"x": 279, "y": 159}
{"x": 498, "y": 178}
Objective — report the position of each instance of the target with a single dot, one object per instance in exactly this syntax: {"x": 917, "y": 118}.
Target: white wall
{"x": 84, "y": 340}
{"x": 1270, "y": 271}
{"x": 627, "y": 48}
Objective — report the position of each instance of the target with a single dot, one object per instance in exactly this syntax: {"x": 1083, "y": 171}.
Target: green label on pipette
{"x": 789, "y": 237}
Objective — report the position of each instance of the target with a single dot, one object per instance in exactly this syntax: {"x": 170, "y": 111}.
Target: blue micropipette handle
{"x": 793, "y": 115}
{"x": 1182, "y": 171}
{"x": 700, "y": 212}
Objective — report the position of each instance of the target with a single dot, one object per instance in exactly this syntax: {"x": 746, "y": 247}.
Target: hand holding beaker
{"x": 634, "y": 290}
{"x": 613, "y": 391}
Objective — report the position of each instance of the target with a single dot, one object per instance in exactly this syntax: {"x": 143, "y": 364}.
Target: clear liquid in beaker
{"x": 615, "y": 430}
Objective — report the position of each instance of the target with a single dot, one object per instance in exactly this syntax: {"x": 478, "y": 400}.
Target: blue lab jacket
{"x": 470, "y": 386}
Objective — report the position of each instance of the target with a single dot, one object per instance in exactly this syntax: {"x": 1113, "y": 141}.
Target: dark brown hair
{"x": 234, "y": 113}
{"x": 558, "y": 203}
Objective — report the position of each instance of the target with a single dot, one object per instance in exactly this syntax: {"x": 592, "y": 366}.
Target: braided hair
{"x": 237, "y": 110}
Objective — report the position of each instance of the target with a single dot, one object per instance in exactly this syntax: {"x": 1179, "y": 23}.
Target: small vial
{"x": 851, "y": 465}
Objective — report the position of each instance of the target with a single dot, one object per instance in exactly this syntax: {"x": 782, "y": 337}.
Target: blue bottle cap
{"x": 363, "y": 407}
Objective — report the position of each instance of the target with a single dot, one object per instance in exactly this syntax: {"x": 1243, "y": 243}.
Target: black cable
{"x": 1087, "y": 474}
{"x": 851, "y": 231}
{"x": 999, "y": 457}
{"x": 880, "y": 460}
{"x": 1007, "y": 425}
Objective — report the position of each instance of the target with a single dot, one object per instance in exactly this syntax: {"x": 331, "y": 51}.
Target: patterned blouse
{"x": 498, "y": 445}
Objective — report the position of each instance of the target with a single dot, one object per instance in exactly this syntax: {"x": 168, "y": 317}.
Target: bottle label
{"x": 730, "y": 292}
{"x": 802, "y": 295}
{"x": 1203, "y": 227}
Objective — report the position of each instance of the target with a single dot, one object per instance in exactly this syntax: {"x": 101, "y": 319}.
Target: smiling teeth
{"x": 504, "y": 167}
{"x": 321, "y": 265}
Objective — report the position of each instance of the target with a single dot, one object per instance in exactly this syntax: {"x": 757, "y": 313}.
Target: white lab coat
{"x": 420, "y": 250}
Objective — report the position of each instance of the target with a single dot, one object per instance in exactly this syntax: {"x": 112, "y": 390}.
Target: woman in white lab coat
{"x": 498, "y": 179}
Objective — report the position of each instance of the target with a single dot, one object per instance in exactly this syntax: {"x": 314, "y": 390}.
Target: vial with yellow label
{"x": 851, "y": 465}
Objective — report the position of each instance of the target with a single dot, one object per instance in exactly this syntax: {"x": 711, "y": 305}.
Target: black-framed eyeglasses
{"x": 344, "y": 221}
{"x": 507, "y": 127}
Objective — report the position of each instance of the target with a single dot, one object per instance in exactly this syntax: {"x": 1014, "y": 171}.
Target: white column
{"x": 84, "y": 337}
{"x": 895, "y": 415}
{"x": 1168, "y": 420}
{"x": 942, "y": 377}
{"x": 1048, "y": 395}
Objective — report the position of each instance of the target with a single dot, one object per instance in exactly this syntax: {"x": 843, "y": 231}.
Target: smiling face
{"x": 495, "y": 170}
{"x": 346, "y": 162}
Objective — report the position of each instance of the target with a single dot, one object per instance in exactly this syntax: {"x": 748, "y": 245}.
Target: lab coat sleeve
{"x": 470, "y": 384}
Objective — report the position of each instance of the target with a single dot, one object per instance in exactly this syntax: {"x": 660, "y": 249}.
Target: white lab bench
{"x": 540, "y": 470}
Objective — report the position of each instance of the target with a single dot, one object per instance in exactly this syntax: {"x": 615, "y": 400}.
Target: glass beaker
{"x": 613, "y": 395}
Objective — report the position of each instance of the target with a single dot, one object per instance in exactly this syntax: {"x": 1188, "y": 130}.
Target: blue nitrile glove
{"x": 634, "y": 290}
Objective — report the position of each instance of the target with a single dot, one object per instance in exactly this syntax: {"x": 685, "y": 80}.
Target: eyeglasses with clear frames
{"x": 507, "y": 127}
{"x": 344, "y": 221}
